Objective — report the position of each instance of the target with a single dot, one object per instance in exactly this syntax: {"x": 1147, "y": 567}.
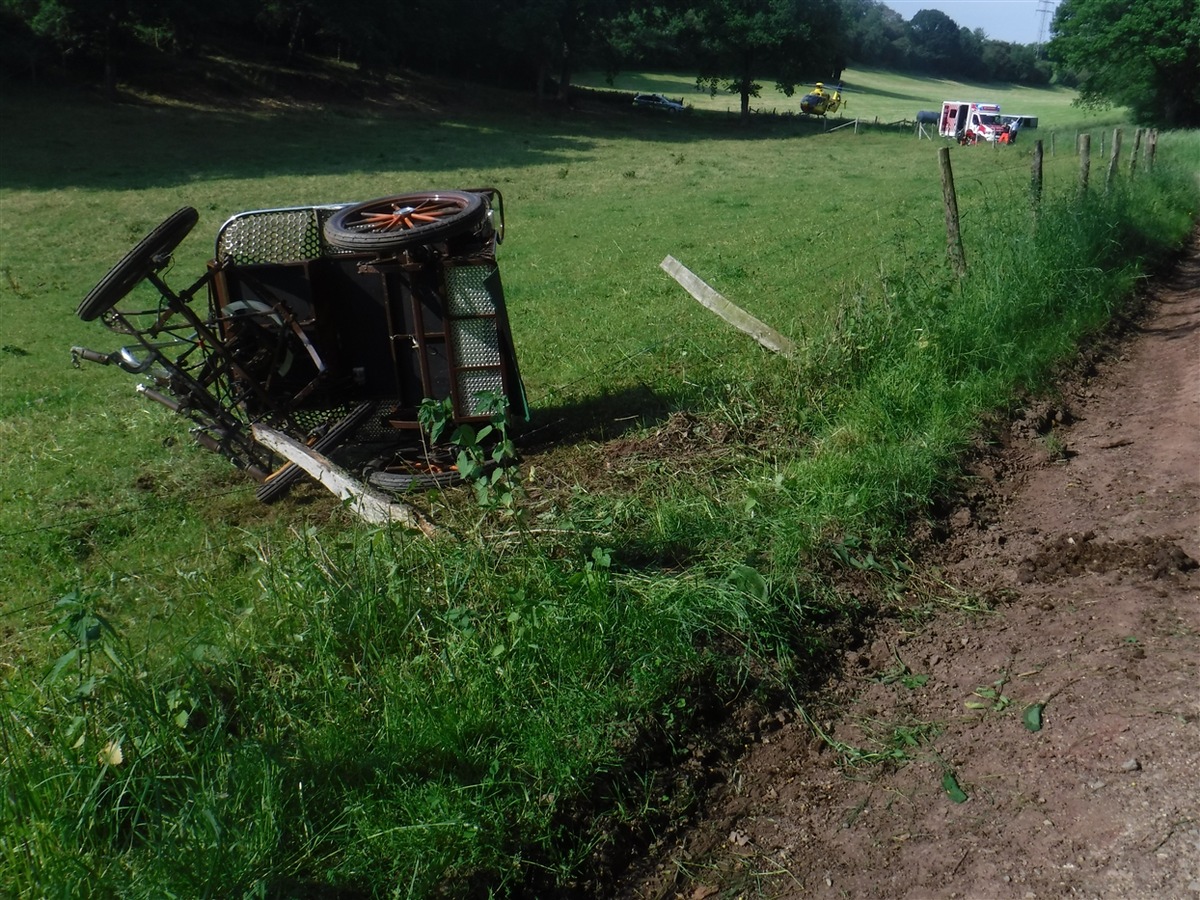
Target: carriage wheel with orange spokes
{"x": 407, "y": 220}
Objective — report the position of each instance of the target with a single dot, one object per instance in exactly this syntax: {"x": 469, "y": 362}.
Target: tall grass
{"x": 388, "y": 716}
{"x": 297, "y": 703}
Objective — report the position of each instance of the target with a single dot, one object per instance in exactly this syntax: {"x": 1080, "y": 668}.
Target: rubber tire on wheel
{"x": 282, "y": 479}
{"x": 406, "y": 220}
{"x": 138, "y": 263}
{"x": 400, "y": 482}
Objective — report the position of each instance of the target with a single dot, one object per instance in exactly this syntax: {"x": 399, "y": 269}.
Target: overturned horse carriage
{"x": 332, "y": 325}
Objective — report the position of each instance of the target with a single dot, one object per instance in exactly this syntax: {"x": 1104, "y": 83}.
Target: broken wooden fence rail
{"x": 734, "y": 315}
{"x": 368, "y": 503}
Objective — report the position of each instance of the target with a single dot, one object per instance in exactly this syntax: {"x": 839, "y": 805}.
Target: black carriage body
{"x": 318, "y": 320}
{"x": 422, "y": 322}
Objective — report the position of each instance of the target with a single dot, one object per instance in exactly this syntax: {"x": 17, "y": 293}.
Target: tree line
{"x": 728, "y": 44}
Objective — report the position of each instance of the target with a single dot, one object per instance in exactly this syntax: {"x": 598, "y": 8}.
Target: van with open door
{"x": 968, "y": 122}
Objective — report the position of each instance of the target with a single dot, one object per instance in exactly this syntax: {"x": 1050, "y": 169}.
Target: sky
{"x": 1017, "y": 21}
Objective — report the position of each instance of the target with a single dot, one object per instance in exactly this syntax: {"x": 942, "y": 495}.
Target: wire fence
{"x": 594, "y": 379}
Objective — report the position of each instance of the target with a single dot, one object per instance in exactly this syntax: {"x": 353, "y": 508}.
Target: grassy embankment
{"x": 298, "y": 699}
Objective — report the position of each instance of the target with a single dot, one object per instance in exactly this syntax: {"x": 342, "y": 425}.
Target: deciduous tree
{"x": 937, "y": 43}
{"x": 738, "y": 41}
{"x": 1143, "y": 54}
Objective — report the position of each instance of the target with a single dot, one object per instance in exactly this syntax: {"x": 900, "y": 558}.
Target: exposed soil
{"x": 1056, "y": 684}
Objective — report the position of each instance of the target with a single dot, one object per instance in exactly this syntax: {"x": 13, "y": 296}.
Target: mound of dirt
{"x": 1038, "y": 735}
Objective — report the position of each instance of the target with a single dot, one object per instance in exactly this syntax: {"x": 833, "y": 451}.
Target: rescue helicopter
{"x": 821, "y": 100}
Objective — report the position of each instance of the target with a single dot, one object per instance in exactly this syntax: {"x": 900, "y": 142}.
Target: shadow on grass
{"x": 919, "y": 99}
{"x": 597, "y": 418}
{"x": 55, "y": 139}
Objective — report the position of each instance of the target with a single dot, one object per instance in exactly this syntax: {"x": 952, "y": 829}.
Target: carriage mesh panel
{"x": 471, "y": 382}
{"x": 476, "y": 340}
{"x": 469, "y": 294}
{"x": 476, "y": 343}
{"x": 310, "y": 420}
{"x": 275, "y": 236}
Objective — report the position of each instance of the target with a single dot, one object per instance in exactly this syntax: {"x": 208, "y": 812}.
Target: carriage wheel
{"x": 148, "y": 256}
{"x": 392, "y": 223}
{"x": 400, "y": 481}
{"x": 417, "y": 469}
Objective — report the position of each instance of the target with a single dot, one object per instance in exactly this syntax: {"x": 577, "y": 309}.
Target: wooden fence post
{"x": 1085, "y": 161}
{"x": 1133, "y": 156}
{"x": 1114, "y": 160}
{"x": 1151, "y": 147}
{"x": 1035, "y": 175}
{"x": 953, "y": 233}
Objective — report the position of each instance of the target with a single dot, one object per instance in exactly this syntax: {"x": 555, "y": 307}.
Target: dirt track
{"x": 1084, "y": 541}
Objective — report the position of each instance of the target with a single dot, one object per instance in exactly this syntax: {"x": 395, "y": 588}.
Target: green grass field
{"x": 874, "y": 95}
{"x": 299, "y": 700}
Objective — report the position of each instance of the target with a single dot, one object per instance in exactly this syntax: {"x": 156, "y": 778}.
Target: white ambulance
{"x": 970, "y": 122}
